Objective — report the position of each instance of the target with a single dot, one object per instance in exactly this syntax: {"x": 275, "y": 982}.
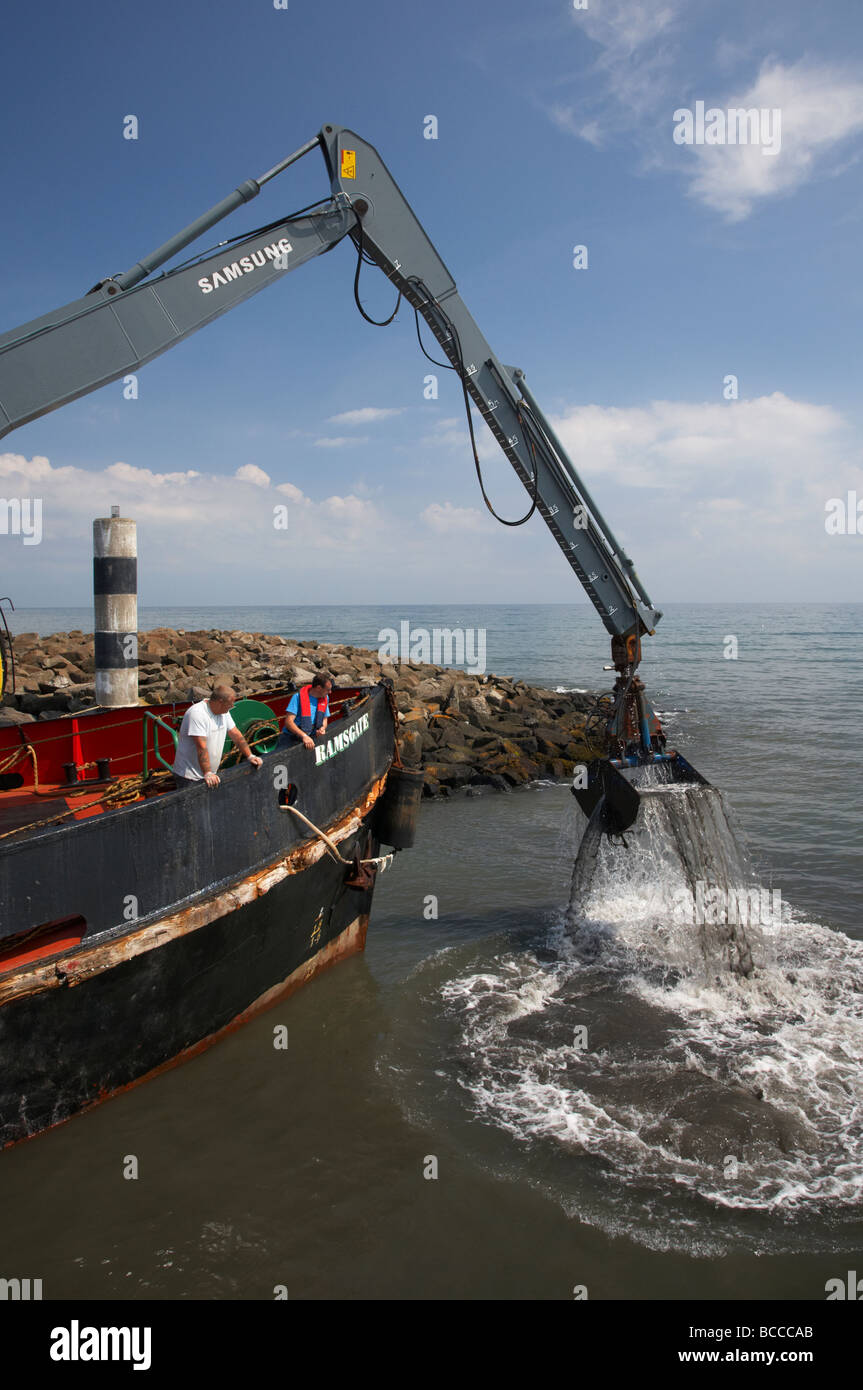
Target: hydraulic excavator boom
{"x": 126, "y": 320}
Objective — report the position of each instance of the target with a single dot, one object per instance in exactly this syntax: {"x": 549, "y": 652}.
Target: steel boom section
{"x": 124, "y": 323}
{"x": 395, "y": 239}
{"x": 112, "y": 331}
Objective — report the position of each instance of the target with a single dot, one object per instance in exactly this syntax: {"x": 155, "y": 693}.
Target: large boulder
{"x": 476, "y": 710}
{"x": 449, "y": 755}
{"x": 431, "y": 785}
{"x": 493, "y": 695}
{"x": 58, "y": 682}
{"x": 490, "y": 779}
{"x": 415, "y": 718}
{"x": 429, "y": 690}
{"x": 450, "y": 734}
{"x": 411, "y": 747}
{"x": 338, "y": 664}
{"x": 154, "y": 646}
{"x": 300, "y": 675}
{"x": 449, "y": 774}
{"x": 35, "y": 704}
{"x": 10, "y": 715}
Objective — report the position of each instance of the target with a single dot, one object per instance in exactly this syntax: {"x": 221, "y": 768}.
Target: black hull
{"x": 213, "y": 949}
{"x": 88, "y": 1039}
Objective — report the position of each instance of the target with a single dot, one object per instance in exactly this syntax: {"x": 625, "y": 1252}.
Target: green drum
{"x": 258, "y": 724}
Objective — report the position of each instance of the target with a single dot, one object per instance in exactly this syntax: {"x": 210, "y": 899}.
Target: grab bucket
{"x": 614, "y": 786}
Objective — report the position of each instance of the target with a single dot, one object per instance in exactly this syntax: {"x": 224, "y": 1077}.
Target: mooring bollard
{"x": 115, "y": 610}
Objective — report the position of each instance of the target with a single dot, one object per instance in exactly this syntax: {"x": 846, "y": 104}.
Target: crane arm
{"x": 114, "y": 330}
{"x": 126, "y": 320}
{"x": 390, "y": 234}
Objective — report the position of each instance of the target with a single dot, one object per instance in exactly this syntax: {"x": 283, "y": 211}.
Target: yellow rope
{"x": 26, "y": 750}
{"x": 122, "y": 792}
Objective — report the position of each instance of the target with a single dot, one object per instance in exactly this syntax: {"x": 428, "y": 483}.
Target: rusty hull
{"x": 72, "y": 970}
{"x": 92, "y": 1023}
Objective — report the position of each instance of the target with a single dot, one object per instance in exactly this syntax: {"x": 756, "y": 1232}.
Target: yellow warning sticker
{"x": 349, "y": 164}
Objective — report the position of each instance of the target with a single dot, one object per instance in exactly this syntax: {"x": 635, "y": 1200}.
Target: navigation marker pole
{"x": 115, "y": 610}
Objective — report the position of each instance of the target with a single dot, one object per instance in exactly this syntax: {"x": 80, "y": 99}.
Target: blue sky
{"x": 554, "y": 129}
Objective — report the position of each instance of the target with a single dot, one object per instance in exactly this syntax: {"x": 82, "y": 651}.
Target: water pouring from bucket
{"x": 679, "y": 885}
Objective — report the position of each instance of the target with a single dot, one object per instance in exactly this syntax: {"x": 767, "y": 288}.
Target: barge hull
{"x": 132, "y": 939}
{"x": 92, "y": 1032}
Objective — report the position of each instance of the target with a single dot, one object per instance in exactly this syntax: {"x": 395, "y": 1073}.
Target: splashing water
{"x": 681, "y": 1051}
{"x": 684, "y": 864}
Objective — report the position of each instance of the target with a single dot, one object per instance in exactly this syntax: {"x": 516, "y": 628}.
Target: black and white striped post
{"x": 115, "y": 610}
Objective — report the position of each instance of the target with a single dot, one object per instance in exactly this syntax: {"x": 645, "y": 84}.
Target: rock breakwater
{"x": 467, "y": 732}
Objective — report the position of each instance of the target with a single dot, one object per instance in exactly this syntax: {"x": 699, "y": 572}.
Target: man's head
{"x": 322, "y": 684}
{"x": 222, "y": 699}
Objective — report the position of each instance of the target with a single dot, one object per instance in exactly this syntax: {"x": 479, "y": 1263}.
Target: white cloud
{"x": 141, "y": 477}
{"x": 250, "y": 473}
{"x": 642, "y": 81}
{"x": 364, "y": 416}
{"x": 352, "y": 511}
{"x": 713, "y": 500}
{"x": 622, "y": 26}
{"x": 821, "y": 107}
{"x": 288, "y": 490}
{"x": 636, "y": 39}
{"x": 681, "y": 445}
{"x": 724, "y": 500}
{"x": 185, "y": 522}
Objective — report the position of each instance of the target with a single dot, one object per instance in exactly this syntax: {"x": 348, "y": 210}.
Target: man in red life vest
{"x": 308, "y": 713}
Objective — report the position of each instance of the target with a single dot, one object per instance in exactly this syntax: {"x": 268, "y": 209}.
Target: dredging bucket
{"x": 613, "y": 789}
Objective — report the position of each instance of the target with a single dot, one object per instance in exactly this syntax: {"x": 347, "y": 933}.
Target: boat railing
{"x": 149, "y": 720}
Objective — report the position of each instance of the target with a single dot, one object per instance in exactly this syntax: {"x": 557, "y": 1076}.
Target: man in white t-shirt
{"x": 201, "y": 739}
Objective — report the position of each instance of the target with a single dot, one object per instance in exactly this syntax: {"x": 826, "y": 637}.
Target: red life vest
{"x": 305, "y": 720}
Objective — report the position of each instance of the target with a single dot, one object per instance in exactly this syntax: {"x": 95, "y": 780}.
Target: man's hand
{"x": 211, "y": 779}
{"x": 254, "y": 759}
{"x": 308, "y": 742}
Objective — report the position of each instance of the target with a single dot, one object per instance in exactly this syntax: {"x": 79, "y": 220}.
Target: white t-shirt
{"x": 200, "y": 722}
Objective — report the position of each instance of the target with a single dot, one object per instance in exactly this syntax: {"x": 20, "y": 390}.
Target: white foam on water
{"x": 723, "y": 1066}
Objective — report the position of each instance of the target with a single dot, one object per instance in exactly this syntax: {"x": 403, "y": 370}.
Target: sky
{"x": 556, "y": 128}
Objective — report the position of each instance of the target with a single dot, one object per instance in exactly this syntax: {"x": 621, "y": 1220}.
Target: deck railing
{"x": 149, "y": 720}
